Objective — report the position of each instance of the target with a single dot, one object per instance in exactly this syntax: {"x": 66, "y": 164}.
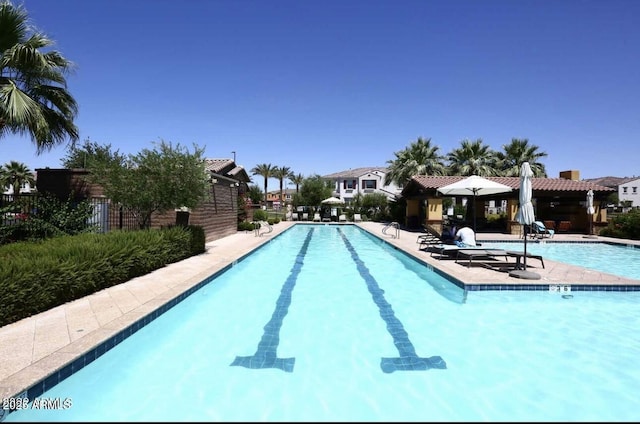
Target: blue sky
{"x": 325, "y": 86}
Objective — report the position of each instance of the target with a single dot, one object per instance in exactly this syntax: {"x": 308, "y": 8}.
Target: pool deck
{"x": 37, "y": 347}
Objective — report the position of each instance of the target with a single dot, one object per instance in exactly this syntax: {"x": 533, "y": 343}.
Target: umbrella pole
{"x": 525, "y": 247}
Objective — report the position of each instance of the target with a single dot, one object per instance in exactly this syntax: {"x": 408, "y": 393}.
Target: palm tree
{"x": 296, "y": 179}
{"x": 516, "y": 153}
{"x": 472, "y": 158}
{"x": 420, "y": 158}
{"x": 15, "y": 174}
{"x": 33, "y": 91}
{"x": 281, "y": 173}
{"x": 266, "y": 170}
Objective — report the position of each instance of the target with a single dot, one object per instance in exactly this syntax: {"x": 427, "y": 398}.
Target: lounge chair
{"x": 305, "y": 216}
{"x": 294, "y": 216}
{"x": 448, "y": 250}
{"x": 488, "y": 257}
{"x": 357, "y": 217}
{"x": 342, "y": 218}
{"x": 539, "y": 230}
{"x": 316, "y": 217}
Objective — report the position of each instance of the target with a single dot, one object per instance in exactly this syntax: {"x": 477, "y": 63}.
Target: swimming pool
{"x": 311, "y": 327}
{"x": 614, "y": 259}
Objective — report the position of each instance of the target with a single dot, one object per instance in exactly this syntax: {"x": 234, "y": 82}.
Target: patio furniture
{"x": 471, "y": 255}
{"x": 519, "y": 255}
{"x": 564, "y": 226}
{"x": 539, "y": 230}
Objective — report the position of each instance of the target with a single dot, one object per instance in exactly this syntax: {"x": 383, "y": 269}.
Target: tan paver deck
{"x": 35, "y": 347}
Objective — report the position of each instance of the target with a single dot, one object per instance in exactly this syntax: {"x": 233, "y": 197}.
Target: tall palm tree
{"x": 15, "y": 174}
{"x": 473, "y": 158}
{"x": 516, "y": 153}
{"x": 33, "y": 90}
{"x": 281, "y": 173}
{"x": 266, "y": 170}
{"x": 420, "y": 158}
{"x": 296, "y": 179}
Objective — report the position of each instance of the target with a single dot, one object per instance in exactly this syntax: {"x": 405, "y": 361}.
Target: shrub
{"x": 625, "y": 225}
{"x": 245, "y": 226}
{"x": 260, "y": 215}
{"x": 37, "y": 276}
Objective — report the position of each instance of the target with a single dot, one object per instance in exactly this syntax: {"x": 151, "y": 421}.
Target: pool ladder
{"x": 394, "y": 225}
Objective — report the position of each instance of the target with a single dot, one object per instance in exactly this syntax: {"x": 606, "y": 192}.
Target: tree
{"x": 314, "y": 190}
{"x": 15, "y": 174}
{"x": 255, "y": 194}
{"x": 90, "y": 153}
{"x": 266, "y": 170}
{"x": 157, "y": 180}
{"x": 296, "y": 179}
{"x": 515, "y": 154}
{"x": 420, "y": 158}
{"x": 472, "y": 158}
{"x": 33, "y": 90}
{"x": 281, "y": 173}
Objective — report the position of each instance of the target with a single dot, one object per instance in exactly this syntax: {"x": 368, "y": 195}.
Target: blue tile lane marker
{"x": 408, "y": 359}
{"x": 266, "y": 355}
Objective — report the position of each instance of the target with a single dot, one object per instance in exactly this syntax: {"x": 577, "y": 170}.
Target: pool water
{"x": 329, "y": 323}
{"x": 609, "y": 258}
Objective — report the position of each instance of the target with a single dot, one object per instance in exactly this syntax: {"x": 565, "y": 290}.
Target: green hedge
{"x": 37, "y": 276}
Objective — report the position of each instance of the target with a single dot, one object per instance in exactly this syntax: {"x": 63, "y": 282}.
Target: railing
{"x": 392, "y": 225}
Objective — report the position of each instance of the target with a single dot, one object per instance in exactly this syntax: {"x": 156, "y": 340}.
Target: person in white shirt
{"x": 466, "y": 237}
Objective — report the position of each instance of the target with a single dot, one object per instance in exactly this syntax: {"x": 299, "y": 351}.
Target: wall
{"x": 218, "y": 215}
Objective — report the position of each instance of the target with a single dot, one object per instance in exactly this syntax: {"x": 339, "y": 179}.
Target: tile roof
{"x": 356, "y": 172}
{"x": 217, "y": 165}
{"x": 228, "y": 168}
{"x": 542, "y": 184}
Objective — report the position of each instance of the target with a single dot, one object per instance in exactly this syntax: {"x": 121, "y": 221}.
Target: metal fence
{"x": 106, "y": 215}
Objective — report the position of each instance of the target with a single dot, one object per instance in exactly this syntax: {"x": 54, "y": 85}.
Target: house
{"x": 274, "y": 201}
{"x": 348, "y": 184}
{"x": 628, "y": 192}
{"x": 555, "y": 200}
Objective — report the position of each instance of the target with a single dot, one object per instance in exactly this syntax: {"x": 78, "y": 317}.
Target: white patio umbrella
{"x": 332, "y": 201}
{"x": 476, "y": 186}
{"x": 525, "y": 216}
{"x": 590, "y": 210}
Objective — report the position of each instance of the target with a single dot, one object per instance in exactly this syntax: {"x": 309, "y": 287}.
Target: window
{"x": 624, "y": 190}
{"x": 368, "y": 184}
{"x": 635, "y": 190}
{"x": 350, "y": 184}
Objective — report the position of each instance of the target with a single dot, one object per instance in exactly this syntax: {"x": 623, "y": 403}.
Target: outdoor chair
{"x": 305, "y": 216}
{"x": 316, "y": 217}
{"x": 342, "y": 218}
{"x": 357, "y": 217}
{"x": 539, "y": 230}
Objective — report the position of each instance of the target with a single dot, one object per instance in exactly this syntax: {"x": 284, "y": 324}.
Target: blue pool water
{"x": 610, "y": 258}
{"x": 328, "y": 323}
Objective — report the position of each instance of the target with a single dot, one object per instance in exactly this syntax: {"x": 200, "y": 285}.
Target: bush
{"x": 625, "y": 225}
{"x": 245, "y": 226}
{"x": 37, "y": 276}
{"x": 260, "y": 215}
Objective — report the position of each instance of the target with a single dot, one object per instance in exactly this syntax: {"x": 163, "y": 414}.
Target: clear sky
{"x": 323, "y": 86}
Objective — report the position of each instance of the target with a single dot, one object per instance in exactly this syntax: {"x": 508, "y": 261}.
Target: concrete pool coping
{"x": 35, "y": 348}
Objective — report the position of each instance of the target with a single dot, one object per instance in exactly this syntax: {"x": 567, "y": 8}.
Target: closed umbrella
{"x": 525, "y": 215}
{"x": 590, "y": 210}
{"x": 476, "y": 186}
